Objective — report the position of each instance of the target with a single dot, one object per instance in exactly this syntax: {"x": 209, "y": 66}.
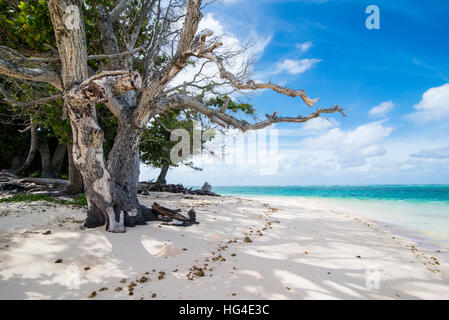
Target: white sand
{"x": 300, "y": 251}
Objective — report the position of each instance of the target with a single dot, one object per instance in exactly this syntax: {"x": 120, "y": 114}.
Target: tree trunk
{"x": 124, "y": 166}
{"x": 75, "y": 179}
{"x": 88, "y": 156}
{"x": 31, "y": 154}
{"x": 16, "y": 163}
{"x": 46, "y": 168}
{"x": 161, "y": 179}
{"x": 58, "y": 159}
{"x": 87, "y": 135}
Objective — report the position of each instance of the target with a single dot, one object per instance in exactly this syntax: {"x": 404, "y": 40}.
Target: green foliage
{"x": 233, "y": 106}
{"x": 26, "y": 23}
{"x": 78, "y": 201}
{"x": 35, "y": 174}
{"x": 156, "y": 144}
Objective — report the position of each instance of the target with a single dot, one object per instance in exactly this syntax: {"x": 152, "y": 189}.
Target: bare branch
{"x": 250, "y": 84}
{"x": 115, "y": 55}
{"x": 179, "y": 61}
{"x": 147, "y": 7}
{"x": 42, "y": 74}
{"x": 16, "y": 55}
{"x": 180, "y": 101}
{"x": 119, "y": 8}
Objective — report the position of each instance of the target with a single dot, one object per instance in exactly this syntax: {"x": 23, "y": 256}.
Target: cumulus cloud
{"x": 295, "y": 67}
{"x": 352, "y": 148}
{"x": 434, "y": 105}
{"x": 318, "y": 125}
{"x": 304, "y": 47}
{"x": 437, "y": 153}
{"x": 382, "y": 109}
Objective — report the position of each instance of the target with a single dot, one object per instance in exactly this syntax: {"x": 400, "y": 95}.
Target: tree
{"x": 144, "y": 48}
{"x": 156, "y": 143}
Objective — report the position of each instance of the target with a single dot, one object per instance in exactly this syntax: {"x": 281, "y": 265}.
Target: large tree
{"x": 145, "y": 44}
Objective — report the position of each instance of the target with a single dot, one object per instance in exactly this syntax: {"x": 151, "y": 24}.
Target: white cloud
{"x": 382, "y": 109}
{"x": 363, "y": 155}
{"x": 319, "y": 125}
{"x": 352, "y": 148}
{"x": 304, "y": 47}
{"x": 296, "y": 66}
{"x": 434, "y": 105}
{"x": 437, "y": 153}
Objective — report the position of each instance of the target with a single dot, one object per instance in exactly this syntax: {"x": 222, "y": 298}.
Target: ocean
{"x": 419, "y": 211}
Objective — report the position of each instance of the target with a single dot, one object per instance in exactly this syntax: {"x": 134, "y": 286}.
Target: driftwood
{"x": 13, "y": 184}
{"x": 164, "y": 212}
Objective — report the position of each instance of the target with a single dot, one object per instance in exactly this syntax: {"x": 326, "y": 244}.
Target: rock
{"x": 145, "y": 188}
{"x": 206, "y": 187}
{"x": 58, "y": 261}
{"x": 192, "y": 215}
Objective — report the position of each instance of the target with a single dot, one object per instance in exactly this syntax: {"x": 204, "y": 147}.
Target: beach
{"x": 243, "y": 248}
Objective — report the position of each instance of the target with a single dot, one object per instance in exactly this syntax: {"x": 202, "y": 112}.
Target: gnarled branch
{"x": 41, "y": 74}
{"x": 181, "y": 101}
{"x": 104, "y": 87}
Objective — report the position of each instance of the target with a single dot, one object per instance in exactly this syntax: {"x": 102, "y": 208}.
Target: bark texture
{"x": 87, "y": 136}
{"x": 75, "y": 178}
{"x": 161, "y": 179}
{"x": 46, "y": 167}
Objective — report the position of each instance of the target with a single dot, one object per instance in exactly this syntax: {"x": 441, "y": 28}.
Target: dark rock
{"x": 145, "y": 188}
{"x": 206, "y": 187}
{"x": 192, "y": 215}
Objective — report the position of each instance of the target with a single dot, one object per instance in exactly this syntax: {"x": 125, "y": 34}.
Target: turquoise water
{"x": 434, "y": 193}
{"x": 419, "y": 210}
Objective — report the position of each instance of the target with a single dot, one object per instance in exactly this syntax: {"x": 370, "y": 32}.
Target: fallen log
{"x": 13, "y": 184}
{"x": 160, "y": 210}
{"x": 44, "y": 181}
{"x": 7, "y": 174}
{"x": 175, "y": 215}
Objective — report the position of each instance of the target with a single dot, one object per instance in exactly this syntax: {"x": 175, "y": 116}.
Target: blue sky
{"x": 392, "y": 82}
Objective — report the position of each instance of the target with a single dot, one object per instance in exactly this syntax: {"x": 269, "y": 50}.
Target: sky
{"x": 392, "y": 82}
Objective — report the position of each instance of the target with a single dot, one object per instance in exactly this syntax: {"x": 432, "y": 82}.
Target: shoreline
{"x": 242, "y": 249}
{"x": 433, "y": 242}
